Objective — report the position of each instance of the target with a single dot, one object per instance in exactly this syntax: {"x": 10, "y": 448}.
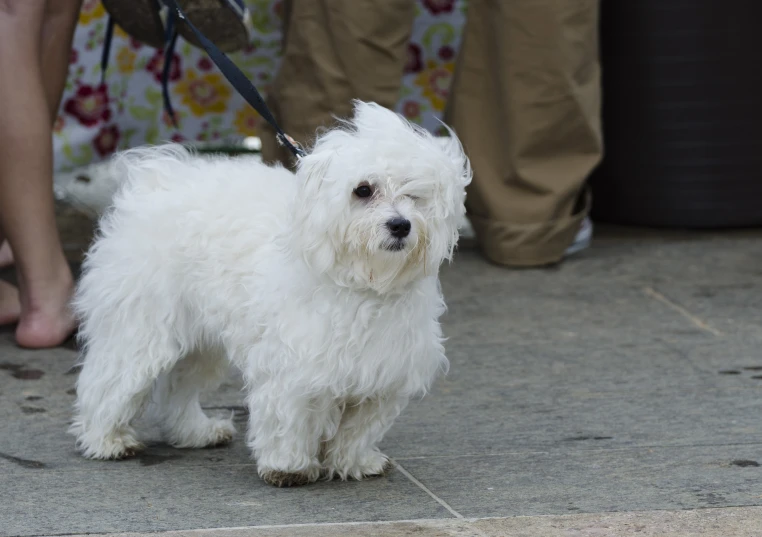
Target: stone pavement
{"x": 618, "y": 394}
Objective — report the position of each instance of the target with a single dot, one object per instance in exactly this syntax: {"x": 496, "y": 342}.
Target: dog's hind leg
{"x": 176, "y": 396}
{"x": 113, "y": 386}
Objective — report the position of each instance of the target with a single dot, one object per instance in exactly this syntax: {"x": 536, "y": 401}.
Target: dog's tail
{"x": 150, "y": 167}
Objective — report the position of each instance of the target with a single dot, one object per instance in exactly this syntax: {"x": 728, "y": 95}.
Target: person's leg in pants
{"x": 526, "y": 104}
{"x": 335, "y": 51}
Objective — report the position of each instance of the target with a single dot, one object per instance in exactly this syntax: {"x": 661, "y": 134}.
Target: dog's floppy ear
{"x": 312, "y": 168}
{"x": 313, "y": 211}
{"x": 454, "y": 149}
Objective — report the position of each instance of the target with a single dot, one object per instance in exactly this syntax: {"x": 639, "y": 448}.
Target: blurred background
{"x": 94, "y": 121}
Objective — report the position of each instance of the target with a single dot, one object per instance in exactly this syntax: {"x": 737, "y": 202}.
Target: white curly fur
{"x": 291, "y": 277}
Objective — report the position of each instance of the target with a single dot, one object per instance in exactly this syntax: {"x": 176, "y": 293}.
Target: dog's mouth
{"x": 395, "y": 245}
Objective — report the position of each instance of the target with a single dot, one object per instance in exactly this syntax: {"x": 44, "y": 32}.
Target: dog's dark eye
{"x": 363, "y": 191}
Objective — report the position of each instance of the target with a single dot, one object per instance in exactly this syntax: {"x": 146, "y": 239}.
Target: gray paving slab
{"x": 566, "y": 306}
{"x": 164, "y": 496}
{"x": 736, "y": 360}
{"x": 732, "y": 308}
{"x": 655, "y": 256}
{"x": 559, "y": 361}
{"x": 490, "y": 421}
{"x": 594, "y": 480}
{"x": 733, "y": 521}
{"x": 625, "y": 379}
{"x": 46, "y": 487}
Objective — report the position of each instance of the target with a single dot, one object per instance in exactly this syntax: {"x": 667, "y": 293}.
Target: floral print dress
{"x": 96, "y": 120}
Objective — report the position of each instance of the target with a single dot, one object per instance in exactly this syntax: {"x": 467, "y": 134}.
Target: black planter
{"x": 682, "y": 113}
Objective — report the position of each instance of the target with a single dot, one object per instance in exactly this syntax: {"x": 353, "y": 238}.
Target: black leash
{"x": 234, "y": 75}
{"x": 106, "y": 48}
{"x": 170, "y": 41}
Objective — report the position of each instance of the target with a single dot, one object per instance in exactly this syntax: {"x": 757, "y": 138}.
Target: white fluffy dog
{"x": 321, "y": 286}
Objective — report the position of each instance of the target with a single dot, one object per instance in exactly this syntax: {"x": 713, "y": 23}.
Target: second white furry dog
{"x": 321, "y": 286}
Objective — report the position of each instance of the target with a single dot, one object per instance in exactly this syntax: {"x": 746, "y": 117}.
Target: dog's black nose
{"x": 399, "y": 227}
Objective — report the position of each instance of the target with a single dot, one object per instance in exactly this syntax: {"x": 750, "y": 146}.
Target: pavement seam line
{"x": 653, "y": 293}
{"x": 212, "y": 531}
{"x": 425, "y": 489}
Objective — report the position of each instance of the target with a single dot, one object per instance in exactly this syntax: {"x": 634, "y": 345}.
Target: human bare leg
{"x": 27, "y": 210}
{"x": 10, "y": 309}
{"x": 57, "y": 34}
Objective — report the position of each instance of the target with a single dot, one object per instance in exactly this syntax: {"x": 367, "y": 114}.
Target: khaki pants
{"x": 335, "y": 51}
{"x": 525, "y": 102}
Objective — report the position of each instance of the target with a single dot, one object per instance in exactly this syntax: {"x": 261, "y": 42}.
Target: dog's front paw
{"x": 379, "y": 466}
{"x": 288, "y": 479}
{"x": 372, "y": 463}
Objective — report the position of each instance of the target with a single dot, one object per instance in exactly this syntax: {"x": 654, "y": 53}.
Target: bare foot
{"x": 6, "y": 255}
{"x": 47, "y": 321}
{"x": 10, "y": 307}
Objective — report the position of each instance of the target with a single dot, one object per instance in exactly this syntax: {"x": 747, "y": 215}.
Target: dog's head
{"x": 381, "y": 200}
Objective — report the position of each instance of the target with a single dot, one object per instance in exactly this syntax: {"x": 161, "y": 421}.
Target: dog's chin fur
{"x": 292, "y": 277}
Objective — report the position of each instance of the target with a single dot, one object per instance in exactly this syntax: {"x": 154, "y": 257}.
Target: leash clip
{"x": 287, "y": 141}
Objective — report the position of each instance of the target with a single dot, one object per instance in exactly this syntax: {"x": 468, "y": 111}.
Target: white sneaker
{"x": 465, "y": 229}
{"x": 583, "y": 239}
